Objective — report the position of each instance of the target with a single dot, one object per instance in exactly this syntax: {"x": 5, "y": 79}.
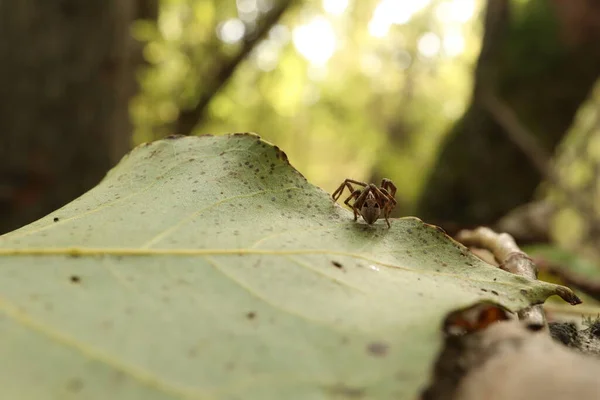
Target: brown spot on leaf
{"x": 75, "y": 279}
{"x": 280, "y": 154}
{"x": 378, "y": 349}
{"x": 337, "y": 264}
{"x": 251, "y": 315}
{"x": 75, "y": 385}
{"x": 173, "y": 137}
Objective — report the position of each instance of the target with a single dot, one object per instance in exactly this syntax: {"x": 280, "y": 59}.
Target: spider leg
{"x": 361, "y": 199}
{"x": 389, "y": 186}
{"x": 338, "y": 192}
{"x": 385, "y": 200}
{"x": 388, "y": 197}
{"x": 356, "y": 182}
{"x": 382, "y": 196}
{"x": 387, "y": 209}
{"x": 355, "y": 194}
{"x": 347, "y": 183}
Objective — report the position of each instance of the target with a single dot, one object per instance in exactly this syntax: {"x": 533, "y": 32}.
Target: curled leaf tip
{"x": 567, "y": 295}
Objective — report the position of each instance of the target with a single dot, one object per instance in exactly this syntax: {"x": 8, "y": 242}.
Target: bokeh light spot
{"x": 315, "y": 40}
{"x": 335, "y": 7}
{"x": 457, "y": 11}
{"x": 247, "y": 6}
{"x": 390, "y": 12}
{"x": 429, "y": 44}
{"x": 454, "y": 43}
{"x": 231, "y": 31}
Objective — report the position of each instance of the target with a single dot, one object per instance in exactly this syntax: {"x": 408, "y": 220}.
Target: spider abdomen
{"x": 370, "y": 210}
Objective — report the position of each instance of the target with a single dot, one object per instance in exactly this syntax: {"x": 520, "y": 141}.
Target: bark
{"x": 67, "y": 72}
{"x": 508, "y": 360}
{"x": 542, "y": 59}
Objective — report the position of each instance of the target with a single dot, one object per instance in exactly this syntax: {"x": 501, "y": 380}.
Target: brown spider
{"x": 369, "y": 201}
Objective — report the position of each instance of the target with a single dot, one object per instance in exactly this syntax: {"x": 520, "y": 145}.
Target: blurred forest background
{"x": 482, "y": 112}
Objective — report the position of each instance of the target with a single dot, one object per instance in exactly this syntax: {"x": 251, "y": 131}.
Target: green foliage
{"x": 568, "y": 260}
{"x": 377, "y": 106}
{"x": 578, "y": 162}
{"x": 209, "y": 268}
{"x": 574, "y": 265}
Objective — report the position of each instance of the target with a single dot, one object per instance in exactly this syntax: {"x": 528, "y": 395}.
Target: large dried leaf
{"x": 208, "y": 268}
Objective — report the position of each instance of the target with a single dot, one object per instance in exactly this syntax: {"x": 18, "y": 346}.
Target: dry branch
{"x": 511, "y": 259}
{"x": 526, "y": 141}
{"x": 188, "y": 119}
{"x": 500, "y": 358}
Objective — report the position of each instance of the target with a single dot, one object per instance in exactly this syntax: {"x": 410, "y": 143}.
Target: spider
{"x": 370, "y": 200}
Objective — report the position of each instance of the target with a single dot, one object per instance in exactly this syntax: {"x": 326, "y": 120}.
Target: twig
{"x": 526, "y": 141}
{"x": 188, "y": 119}
{"x": 504, "y": 249}
{"x": 513, "y": 260}
{"x": 517, "y": 133}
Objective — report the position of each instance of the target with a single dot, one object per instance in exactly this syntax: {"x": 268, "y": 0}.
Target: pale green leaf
{"x": 208, "y": 268}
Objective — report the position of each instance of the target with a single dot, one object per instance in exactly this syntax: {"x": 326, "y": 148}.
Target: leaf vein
{"x": 146, "y": 378}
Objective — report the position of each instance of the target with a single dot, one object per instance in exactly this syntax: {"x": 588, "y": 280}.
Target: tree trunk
{"x": 542, "y": 58}
{"x": 67, "y": 72}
